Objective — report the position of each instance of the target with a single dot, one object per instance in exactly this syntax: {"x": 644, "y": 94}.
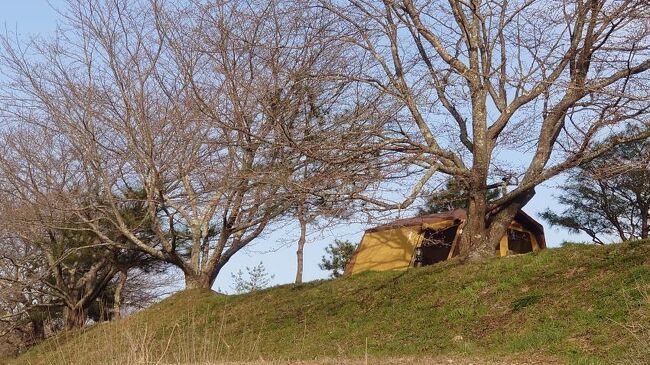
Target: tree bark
{"x": 645, "y": 219}
{"x": 74, "y": 317}
{"x": 484, "y": 228}
{"x": 474, "y": 243}
{"x": 118, "y": 295}
{"x": 301, "y": 247}
{"x": 502, "y": 216}
{"x": 38, "y": 329}
{"x": 198, "y": 281}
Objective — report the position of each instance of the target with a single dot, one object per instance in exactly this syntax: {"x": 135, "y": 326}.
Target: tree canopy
{"x": 608, "y": 197}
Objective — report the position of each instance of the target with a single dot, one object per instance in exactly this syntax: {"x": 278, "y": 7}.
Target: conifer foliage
{"x": 609, "y": 198}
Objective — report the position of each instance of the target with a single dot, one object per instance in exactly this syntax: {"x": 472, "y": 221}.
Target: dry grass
{"x": 439, "y": 360}
{"x": 141, "y": 347}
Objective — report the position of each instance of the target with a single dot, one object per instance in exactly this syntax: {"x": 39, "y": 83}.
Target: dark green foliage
{"x": 338, "y": 256}
{"x": 81, "y": 266}
{"x": 608, "y": 197}
{"x": 453, "y": 196}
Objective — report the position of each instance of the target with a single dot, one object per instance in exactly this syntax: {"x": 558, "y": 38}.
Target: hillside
{"x": 577, "y": 304}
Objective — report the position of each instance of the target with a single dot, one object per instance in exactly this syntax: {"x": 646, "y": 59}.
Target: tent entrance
{"x": 435, "y": 246}
{"x": 519, "y": 242}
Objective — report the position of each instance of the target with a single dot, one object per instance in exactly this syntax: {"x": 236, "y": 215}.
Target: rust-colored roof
{"x": 452, "y": 215}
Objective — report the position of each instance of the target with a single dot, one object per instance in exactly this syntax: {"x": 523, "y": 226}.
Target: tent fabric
{"x": 391, "y": 246}
{"x": 432, "y": 220}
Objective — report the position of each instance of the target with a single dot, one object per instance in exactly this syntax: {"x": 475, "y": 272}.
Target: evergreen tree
{"x": 338, "y": 256}
{"x": 256, "y": 278}
{"x": 609, "y": 197}
{"x": 453, "y": 196}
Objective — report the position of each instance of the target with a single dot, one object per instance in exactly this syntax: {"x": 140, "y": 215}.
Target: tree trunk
{"x": 119, "y": 294}
{"x": 38, "y": 330}
{"x": 474, "y": 243}
{"x": 499, "y": 222}
{"x": 301, "y": 247}
{"x": 645, "y": 221}
{"x": 74, "y": 318}
{"x": 198, "y": 281}
{"x": 482, "y": 232}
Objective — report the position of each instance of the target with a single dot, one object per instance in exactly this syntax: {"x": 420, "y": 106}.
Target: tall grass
{"x": 195, "y": 339}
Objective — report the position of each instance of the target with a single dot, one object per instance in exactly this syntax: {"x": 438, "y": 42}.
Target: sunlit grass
{"x": 581, "y": 304}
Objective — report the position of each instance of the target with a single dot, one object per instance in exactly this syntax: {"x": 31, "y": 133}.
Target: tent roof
{"x": 529, "y": 222}
{"x": 456, "y": 216}
{"x": 452, "y": 215}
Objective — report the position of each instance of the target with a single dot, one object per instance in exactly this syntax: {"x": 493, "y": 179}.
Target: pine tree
{"x": 338, "y": 256}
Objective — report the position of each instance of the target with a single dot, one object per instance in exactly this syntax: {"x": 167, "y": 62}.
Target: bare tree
{"x": 195, "y": 105}
{"x": 318, "y": 208}
{"x": 36, "y": 172}
{"x": 336, "y": 160}
{"x": 60, "y": 257}
{"x": 25, "y": 306}
{"x": 69, "y": 273}
{"x": 519, "y": 90}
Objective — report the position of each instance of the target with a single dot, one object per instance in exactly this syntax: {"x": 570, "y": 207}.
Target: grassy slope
{"x": 584, "y": 304}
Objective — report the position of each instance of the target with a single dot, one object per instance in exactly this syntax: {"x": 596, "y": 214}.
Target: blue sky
{"x": 29, "y": 16}
{"x": 276, "y": 251}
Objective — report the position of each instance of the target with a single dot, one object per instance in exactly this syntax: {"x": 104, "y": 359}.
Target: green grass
{"x": 584, "y": 304}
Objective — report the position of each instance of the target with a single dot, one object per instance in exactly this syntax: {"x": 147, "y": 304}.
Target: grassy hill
{"x": 577, "y": 304}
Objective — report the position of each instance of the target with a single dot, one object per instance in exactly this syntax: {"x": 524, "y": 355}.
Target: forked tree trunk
{"x": 482, "y": 232}
{"x": 197, "y": 281}
{"x": 301, "y": 248}
{"x": 204, "y": 278}
{"x": 74, "y": 318}
{"x": 474, "y": 243}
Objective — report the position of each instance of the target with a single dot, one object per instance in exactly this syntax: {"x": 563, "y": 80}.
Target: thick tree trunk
{"x": 483, "y": 230}
{"x": 198, "y": 281}
{"x": 118, "y": 295}
{"x": 499, "y": 222}
{"x": 74, "y": 318}
{"x": 301, "y": 247}
{"x": 474, "y": 243}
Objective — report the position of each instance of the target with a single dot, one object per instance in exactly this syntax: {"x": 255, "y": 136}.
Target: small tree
{"x": 257, "y": 279}
{"x": 338, "y": 256}
{"x": 609, "y": 196}
{"x": 50, "y": 257}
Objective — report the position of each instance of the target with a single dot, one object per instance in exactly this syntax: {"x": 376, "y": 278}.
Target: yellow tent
{"x": 428, "y": 239}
